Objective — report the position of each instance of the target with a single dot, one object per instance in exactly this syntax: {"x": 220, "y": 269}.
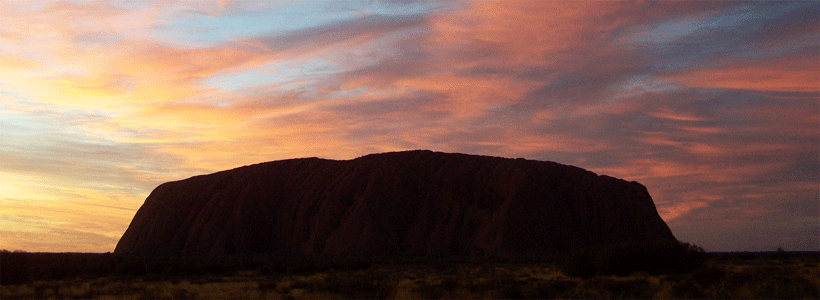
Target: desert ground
{"x": 87, "y": 276}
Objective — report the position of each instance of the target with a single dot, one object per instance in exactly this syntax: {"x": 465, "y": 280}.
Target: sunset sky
{"x": 713, "y": 106}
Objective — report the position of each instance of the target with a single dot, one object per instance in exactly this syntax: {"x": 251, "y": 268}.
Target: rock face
{"x": 414, "y": 203}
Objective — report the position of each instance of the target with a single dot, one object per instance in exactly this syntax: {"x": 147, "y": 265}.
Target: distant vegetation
{"x": 658, "y": 270}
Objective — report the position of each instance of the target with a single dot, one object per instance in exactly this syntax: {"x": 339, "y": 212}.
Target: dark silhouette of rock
{"x": 414, "y": 203}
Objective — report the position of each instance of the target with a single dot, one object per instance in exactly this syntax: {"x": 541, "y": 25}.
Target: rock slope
{"x": 413, "y": 203}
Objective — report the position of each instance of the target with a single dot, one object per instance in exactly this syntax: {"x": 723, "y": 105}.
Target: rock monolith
{"x": 412, "y": 203}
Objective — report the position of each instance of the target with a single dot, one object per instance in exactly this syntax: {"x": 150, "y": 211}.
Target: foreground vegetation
{"x": 713, "y": 275}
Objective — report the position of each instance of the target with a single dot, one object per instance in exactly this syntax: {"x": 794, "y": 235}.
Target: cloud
{"x": 793, "y": 75}
{"x": 767, "y": 47}
{"x": 356, "y": 31}
{"x": 695, "y": 140}
{"x": 11, "y": 63}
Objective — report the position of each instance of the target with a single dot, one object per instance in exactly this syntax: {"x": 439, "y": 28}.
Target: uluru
{"x": 412, "y": 203}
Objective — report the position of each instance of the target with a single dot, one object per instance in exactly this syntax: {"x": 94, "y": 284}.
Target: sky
{"x": 713, "y": 106}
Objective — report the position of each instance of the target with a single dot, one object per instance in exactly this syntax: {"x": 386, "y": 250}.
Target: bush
{"x": 580, "y": 264}
{"x": 658, "y": 257}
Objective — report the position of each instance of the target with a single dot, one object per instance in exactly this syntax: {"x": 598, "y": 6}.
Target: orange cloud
{"x": 523, "y": 32}
{"x": 11, "y": 63}
{"x": 40, "y": 224}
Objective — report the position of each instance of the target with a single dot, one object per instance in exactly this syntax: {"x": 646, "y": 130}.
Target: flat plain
{"x": 87, "y": 276}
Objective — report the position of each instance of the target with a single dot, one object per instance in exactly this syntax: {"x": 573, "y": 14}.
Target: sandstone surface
{"x": 413, "y": 203}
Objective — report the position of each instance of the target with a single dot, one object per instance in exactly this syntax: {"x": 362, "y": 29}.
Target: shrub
{"x": 658, "y": 257}
{"x": 607, "y": 288}
{"x": 580, "y": 264}
{"x": 357, "y": 285}
{"x": 541, "y": 289}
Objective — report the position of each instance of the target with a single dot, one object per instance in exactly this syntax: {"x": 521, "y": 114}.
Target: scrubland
{"x": 716, "y": 275}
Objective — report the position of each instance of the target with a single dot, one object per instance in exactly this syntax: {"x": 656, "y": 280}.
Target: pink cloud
{"x": 679, "y": 209}
{"x": 799, "y": 75}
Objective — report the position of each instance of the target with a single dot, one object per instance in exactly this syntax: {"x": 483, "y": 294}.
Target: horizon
{"x": 712, "y": 105}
